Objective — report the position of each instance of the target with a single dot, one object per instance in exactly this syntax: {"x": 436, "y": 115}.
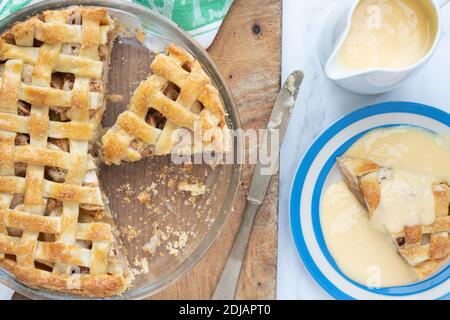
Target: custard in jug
{"x": 388, "y": 34}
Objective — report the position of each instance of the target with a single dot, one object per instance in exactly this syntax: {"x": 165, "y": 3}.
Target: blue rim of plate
{"x": 299, "y": 180}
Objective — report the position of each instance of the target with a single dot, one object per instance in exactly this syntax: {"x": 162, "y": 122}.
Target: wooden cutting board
{"x": 247, "y": 51}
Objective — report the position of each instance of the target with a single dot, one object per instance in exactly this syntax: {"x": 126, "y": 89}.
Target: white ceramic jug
{"x": 366, "y": 81}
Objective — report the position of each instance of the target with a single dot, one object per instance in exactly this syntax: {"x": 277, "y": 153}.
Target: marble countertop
{"x": 320, "y": 103}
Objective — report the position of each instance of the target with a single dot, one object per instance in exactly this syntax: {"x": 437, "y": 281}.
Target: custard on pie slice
{"x": 425, "y": 247}
{"x": 55, "y": 228}
{"x": 178, "y": 94}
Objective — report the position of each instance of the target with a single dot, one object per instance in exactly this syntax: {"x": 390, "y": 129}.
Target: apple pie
{"x": 56, "y": 231}
{"x": 425, "y": 248}
{"x": 177, "y": 95}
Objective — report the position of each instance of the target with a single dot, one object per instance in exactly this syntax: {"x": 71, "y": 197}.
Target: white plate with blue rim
{"x": 318, "y": 170}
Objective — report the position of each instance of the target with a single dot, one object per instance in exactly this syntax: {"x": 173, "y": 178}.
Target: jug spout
{"x": 341, "y": 28}
{"x": 333, "y": 69}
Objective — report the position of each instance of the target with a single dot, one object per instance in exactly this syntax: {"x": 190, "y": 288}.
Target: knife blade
{"x": 278, "y": 124}
{"x": 279, "y": 120}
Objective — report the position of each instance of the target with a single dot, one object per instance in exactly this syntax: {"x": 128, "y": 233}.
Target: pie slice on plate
{"x": 56, "y": 231}
{"x": 424, "y": 247}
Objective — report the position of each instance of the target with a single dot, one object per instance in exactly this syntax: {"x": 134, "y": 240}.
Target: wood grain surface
{"x": 247, "y": 50}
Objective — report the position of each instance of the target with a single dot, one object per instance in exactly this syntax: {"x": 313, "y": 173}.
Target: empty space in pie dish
{"x": 161, "y": 224}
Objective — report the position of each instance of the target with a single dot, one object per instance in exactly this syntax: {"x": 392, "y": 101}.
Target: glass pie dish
{"x": 166, "y": 224}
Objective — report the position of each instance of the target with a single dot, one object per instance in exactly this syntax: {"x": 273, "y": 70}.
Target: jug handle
{"x": 441, "y": 3}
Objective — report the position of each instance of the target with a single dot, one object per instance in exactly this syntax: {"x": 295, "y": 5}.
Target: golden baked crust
{"x": 178, "y": 94}
{"x": 55, "y": 229}
{"x": 353, "y": 170}
{"x": 425, "y": 256}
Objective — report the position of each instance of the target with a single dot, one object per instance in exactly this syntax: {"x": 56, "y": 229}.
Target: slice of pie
{"x": 55, "y": 229}
{"x": 424, "y": 247}
{"x": 178, "y": 95}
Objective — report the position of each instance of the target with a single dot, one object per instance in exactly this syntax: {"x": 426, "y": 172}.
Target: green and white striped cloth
{"x": 201, "y": 18}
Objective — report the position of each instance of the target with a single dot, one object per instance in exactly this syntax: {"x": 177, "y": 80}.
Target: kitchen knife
{"x": 278, "y": 124}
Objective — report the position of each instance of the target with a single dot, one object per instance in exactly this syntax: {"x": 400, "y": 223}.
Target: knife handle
{"x": 226, "y": 287}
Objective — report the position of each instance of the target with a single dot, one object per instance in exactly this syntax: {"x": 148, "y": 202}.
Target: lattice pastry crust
{"x": 178, "y": 94}
{"x": 55, "y": 229}
{"x": 425, "y": 248}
